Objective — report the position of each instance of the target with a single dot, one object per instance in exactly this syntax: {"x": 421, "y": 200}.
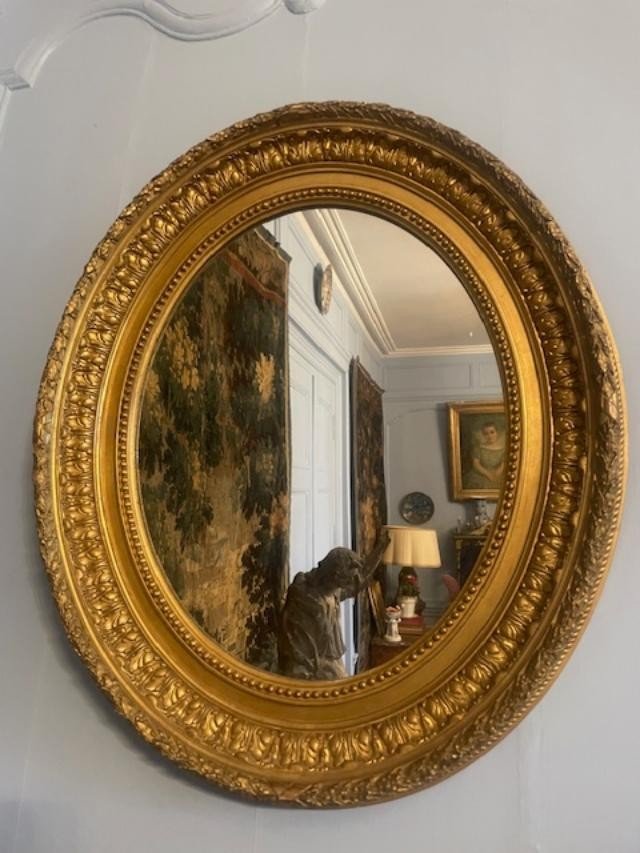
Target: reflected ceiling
{"x": 401, "y": 282}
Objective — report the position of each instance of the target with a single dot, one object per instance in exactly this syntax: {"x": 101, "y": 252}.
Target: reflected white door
{"x": 301, "y": 436}
{"x": 319, "y": 480}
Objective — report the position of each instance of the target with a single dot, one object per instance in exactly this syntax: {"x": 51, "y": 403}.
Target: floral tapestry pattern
{"x": 369, "y": 499}
{"x": 213, "y": 447}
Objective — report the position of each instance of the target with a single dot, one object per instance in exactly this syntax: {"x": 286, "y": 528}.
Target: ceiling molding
{"x": 430, "y": 352}
{"x": 328, "y": 229}
{"x": 331, "y": 234}
{"x": 307, "y": 240}
{"x": 12, "y": 80}
{"x": 303, "y": 7}
{"x": 159, "y": 14}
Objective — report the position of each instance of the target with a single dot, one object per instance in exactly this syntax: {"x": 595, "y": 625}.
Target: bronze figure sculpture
{"x": 310, "y": 642}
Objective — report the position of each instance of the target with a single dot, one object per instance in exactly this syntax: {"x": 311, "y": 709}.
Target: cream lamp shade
{"x": 410, "y": 546}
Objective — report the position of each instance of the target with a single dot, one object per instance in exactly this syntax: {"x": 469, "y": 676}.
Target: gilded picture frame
{"x": 376, "y": 601}
{"x": 477, "y": 450}
{"x": 461, "y": 687}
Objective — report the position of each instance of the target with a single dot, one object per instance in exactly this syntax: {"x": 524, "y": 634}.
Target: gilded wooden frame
{"x": 460, "y": 688}
{"x": 457, "y": 411}
{"x": 378, "y": 609}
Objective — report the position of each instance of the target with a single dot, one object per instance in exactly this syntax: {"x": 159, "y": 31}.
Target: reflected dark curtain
{"x": 368, "y": 495}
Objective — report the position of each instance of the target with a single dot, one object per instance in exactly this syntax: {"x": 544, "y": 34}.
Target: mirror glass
{"x": 324, "y": 396}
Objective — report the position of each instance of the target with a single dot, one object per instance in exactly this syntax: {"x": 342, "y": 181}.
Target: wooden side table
{"x": 381, "y": 651}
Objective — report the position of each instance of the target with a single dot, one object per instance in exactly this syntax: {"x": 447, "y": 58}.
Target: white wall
{"x": 416, "y": 421}
{"x": 548, "y": 85}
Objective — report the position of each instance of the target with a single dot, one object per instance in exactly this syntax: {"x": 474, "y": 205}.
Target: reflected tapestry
{"x": 213, "y": 447}
{"x": 369, "y": 499}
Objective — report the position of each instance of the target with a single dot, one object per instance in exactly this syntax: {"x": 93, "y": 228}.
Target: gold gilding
{"x": 455, "y": 693}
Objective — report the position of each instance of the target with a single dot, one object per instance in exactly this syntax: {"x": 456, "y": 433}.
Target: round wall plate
{"x": 416, "y": 508}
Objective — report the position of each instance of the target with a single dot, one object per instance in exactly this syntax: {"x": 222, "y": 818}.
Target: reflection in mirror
{"x": 310, "y": 522}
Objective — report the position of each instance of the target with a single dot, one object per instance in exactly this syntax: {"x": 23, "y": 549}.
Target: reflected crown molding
{"x": 332, "y": 236}
{"x": 422, "y": 352}
{"x": 328, "y": 229}
{"x": 166, "y": 18}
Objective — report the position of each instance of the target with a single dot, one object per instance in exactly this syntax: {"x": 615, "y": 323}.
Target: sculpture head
{"x": 341, "y": 569}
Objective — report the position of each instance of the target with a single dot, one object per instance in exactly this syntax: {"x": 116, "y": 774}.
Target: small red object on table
{"x": 413, "y": 625}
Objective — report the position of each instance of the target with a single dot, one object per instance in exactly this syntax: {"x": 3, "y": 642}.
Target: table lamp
{"x": 411, "y": 548}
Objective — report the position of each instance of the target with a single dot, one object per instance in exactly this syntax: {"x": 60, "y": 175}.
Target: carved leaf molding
{"x": 477, "y": 706}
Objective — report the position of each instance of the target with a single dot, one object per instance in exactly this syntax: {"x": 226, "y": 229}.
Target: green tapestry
{"x": 369, "y": 499}
{"x": 213, "y": 447}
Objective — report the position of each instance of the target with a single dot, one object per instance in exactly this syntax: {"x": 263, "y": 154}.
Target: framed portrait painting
{"x": 477, "y": 445}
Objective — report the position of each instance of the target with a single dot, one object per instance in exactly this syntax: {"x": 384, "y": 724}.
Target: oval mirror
{"x": 267, "y": 441}
{"x": 329, "y": 455}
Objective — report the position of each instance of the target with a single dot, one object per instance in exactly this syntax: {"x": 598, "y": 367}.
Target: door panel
{"x": 318, "y": 465}
{"x": 301, "y": 397}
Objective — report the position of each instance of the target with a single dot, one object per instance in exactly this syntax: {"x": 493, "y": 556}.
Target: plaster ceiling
{"x": 420, "y": 303}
